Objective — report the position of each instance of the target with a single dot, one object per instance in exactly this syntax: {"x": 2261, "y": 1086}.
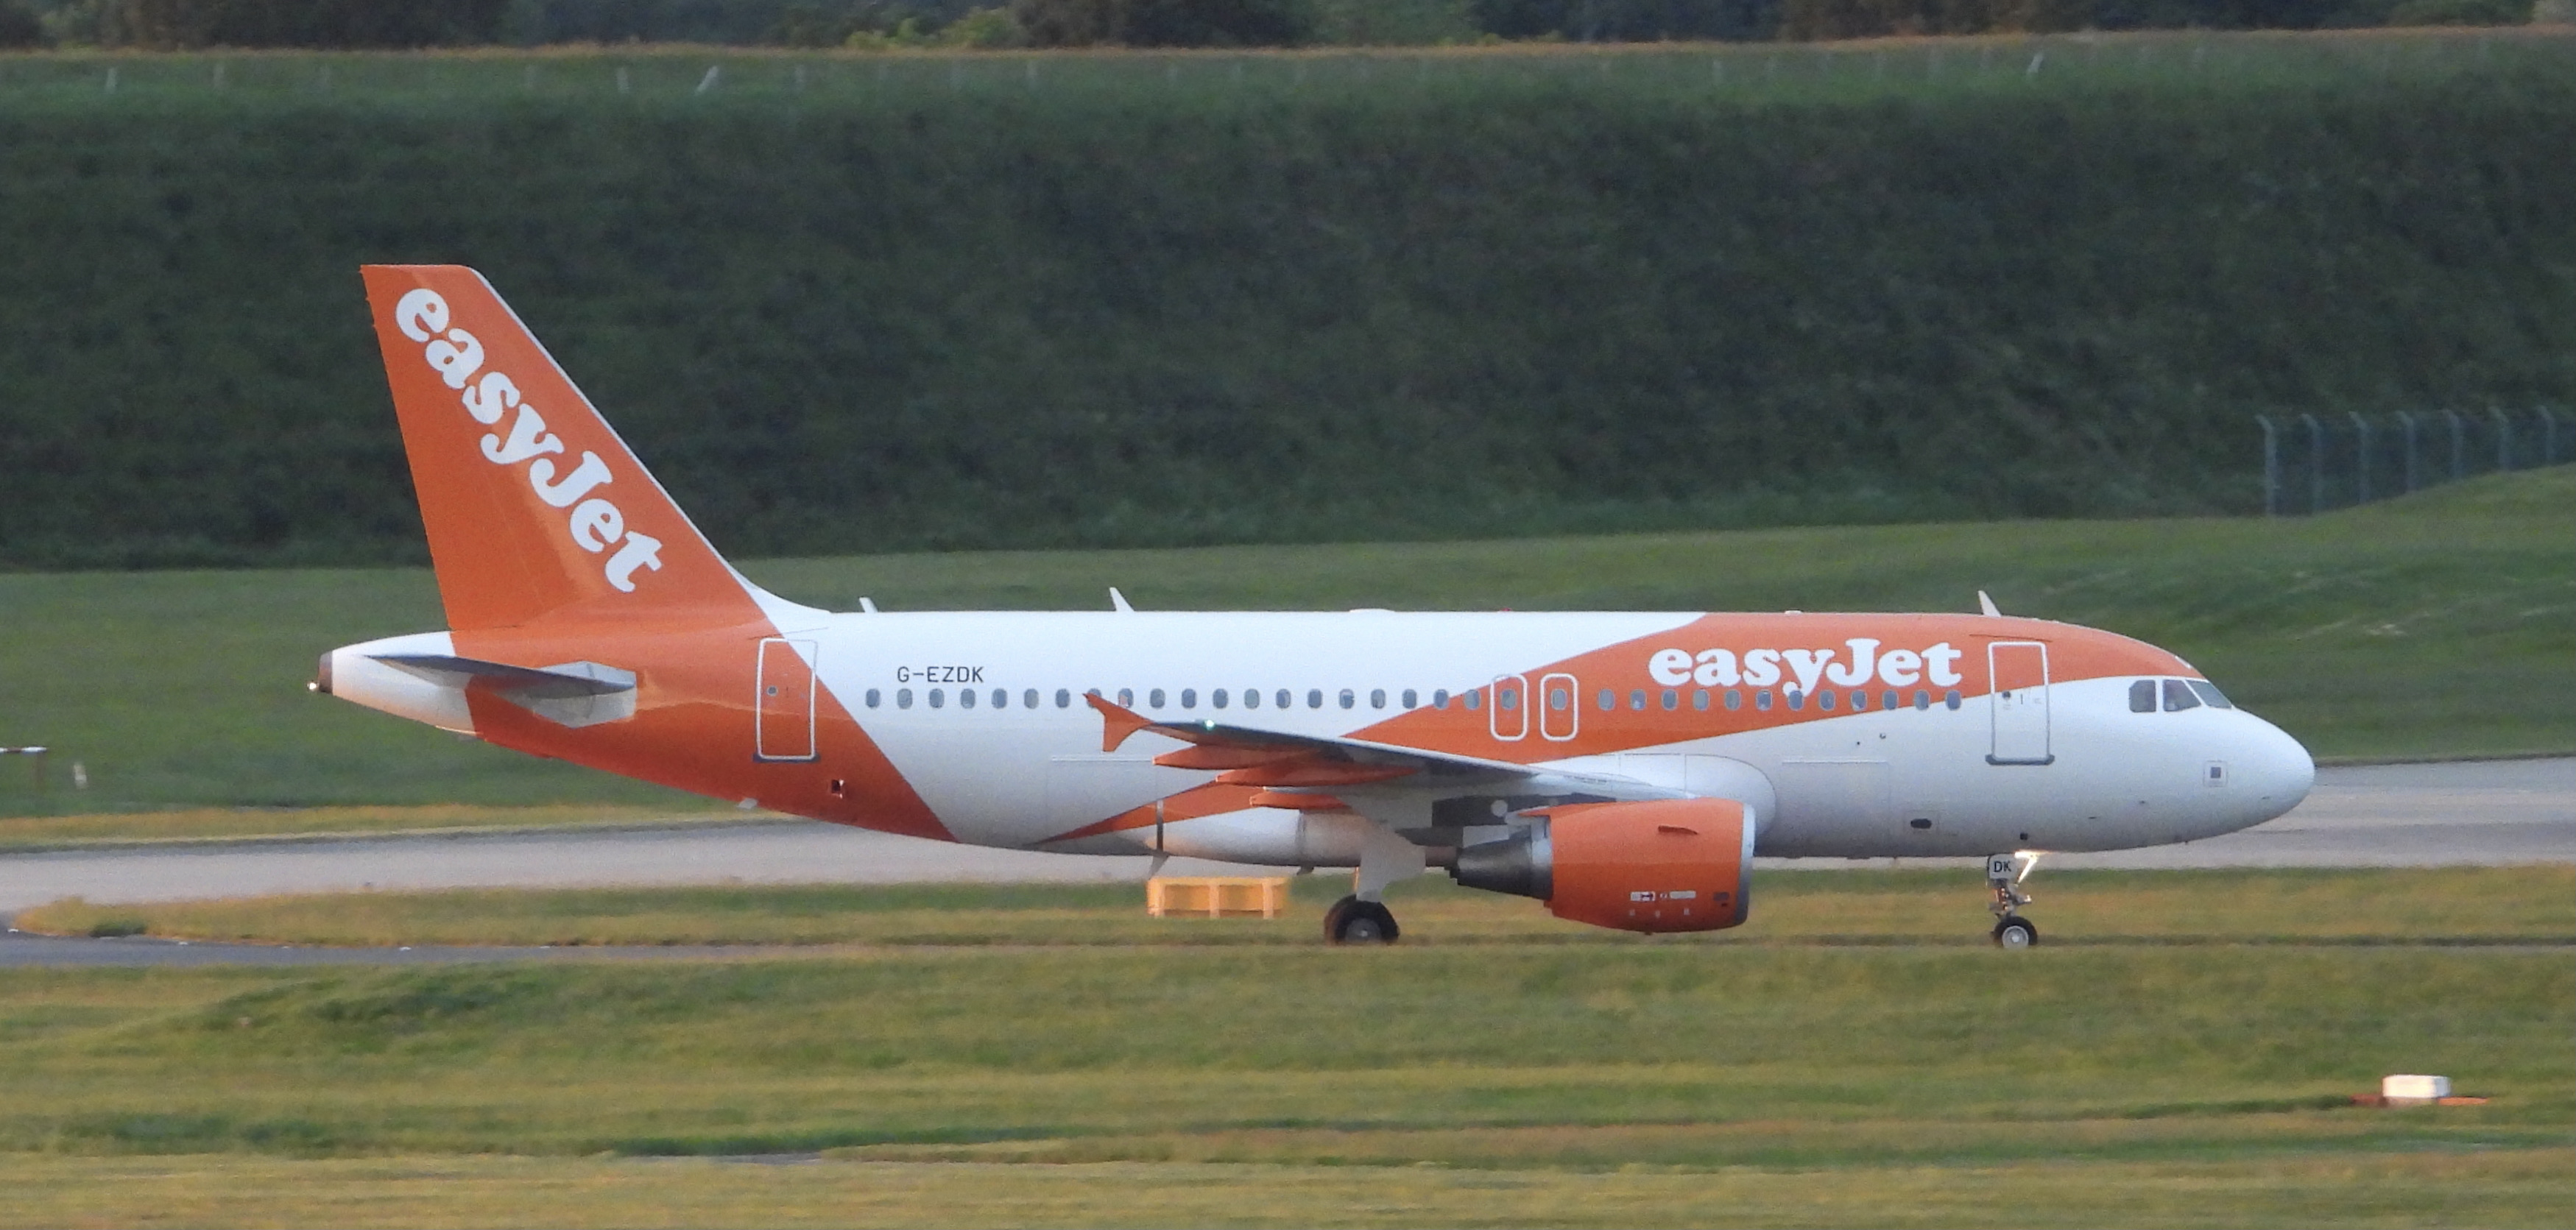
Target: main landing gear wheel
{"x": 2015, "y": 931}
{"x": 1353, "y": 921}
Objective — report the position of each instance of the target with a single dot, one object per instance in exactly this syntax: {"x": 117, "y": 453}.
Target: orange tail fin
{"x": 532, "y": 503}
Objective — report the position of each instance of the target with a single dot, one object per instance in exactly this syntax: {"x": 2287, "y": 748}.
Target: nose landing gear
{"x": 2004, "y": 875}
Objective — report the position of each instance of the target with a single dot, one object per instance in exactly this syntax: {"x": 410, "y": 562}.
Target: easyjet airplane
{"x": 1622, "y": 767}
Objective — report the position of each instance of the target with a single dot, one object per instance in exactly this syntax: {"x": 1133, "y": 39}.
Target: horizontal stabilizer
{"x": 570, "y": 694}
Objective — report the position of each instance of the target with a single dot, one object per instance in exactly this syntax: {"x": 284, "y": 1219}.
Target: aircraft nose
{"x": 2276, "y": 767}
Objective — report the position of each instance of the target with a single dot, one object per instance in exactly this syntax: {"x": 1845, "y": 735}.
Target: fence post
{"x": 2316, "y": 464}
{"x": 2459, "y": 446}
{"x": 2271, "y": 466}
{"x": 2504, "y": 439}
{"x": 2360, "y": 460}
{"x": 2406, "y": 419}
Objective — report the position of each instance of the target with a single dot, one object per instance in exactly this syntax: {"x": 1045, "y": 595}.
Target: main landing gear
{"x": 1353, "y": 921}
{"x": 2004, "y": 875}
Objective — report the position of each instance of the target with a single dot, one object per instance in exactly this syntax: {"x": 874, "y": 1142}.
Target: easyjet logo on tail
{"x": 596, "y": 523}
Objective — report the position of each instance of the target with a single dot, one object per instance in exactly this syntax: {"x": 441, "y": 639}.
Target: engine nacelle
{"x": 1664, "y": 865}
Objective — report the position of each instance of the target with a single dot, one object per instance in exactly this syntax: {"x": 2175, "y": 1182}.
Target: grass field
{"x": 2142, "y": 1078}
{"x": 22, "y": 834}
{"x": 2464, "y": 906}
{"x": 2443, "y": 624}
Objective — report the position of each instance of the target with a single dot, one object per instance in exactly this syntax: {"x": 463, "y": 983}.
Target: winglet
{"x": 1117, "y": 724}
{"x": 1986, "y": 605}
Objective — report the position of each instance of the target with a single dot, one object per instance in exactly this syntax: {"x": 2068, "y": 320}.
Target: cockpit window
{"x": 2178, "y": 696}
{"x": 2209, "y": 694}
{"x": 2142, "y": 696}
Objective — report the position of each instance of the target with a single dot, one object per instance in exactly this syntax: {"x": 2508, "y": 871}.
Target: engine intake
{"x": 1664, "y": 865}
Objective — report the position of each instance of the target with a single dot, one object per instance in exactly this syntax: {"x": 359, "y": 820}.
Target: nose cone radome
{"x": 2275, "y": 771}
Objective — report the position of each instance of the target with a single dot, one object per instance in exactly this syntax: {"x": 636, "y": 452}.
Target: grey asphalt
{"x": 2408, "y": 815}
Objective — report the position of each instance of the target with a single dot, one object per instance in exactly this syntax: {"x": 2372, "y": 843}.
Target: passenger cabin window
{"x": 1558, "y": 699}
{"x": 965, "y": 698}
{"x": 1475, "y": 700}
{"x": 1609, "y": 700}
{"x": 1440, "y": 698}
{"x": 1505, "y": 699}
{"x": 1825, "y": 701}
{"x": 1282, "y": 699}
{"x": 1314, "y": 698}
{"x": 938, "y": 698}
{"x": 1797, "y": 699}
{"x": 1637, "y": 699}
{"x": 2142, "y": 696}
{"x": 1126, "y": 698}
{"x": 1377, "y": 698}
{"x": 903, "y": 698}
{"x": 1951, "y": 699}
{"x": 1189, "y": 698}
{"x": 1217, "y": 698}
{"x": 1409, "y": 700}
{"x": 1002, "y": 699}
{"x": 1155, "y": 698}
{"x": 1734, "y": 698}
{"x": 1699, "y": 700}
{"x": 1064, "y": 698}
{"x": 1762, "y": 700}
{"x": 1029, "y": 699}
{"x": 2178, "y": 696}
{"x": 873, "y": 697}
{"x": 1347, "y": 699}
{"x": 2209, "y": 694}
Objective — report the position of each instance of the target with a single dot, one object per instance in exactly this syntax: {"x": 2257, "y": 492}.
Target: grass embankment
{"x": 864, "y": 304}
{"x": 2434, "y": 625}
{"x": 1642, "y": 1083}
{"x": 29, "y": 833}
{"x": 2461, "y": 906}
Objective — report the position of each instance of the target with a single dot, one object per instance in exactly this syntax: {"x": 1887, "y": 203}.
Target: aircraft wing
{"x": 1410, "y": 789}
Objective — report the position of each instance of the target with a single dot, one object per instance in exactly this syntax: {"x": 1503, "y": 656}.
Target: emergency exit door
{"x": 2017, "y": 672}
{"x": 786, "y": 700}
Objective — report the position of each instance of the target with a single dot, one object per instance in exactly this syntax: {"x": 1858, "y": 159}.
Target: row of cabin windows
{"x": 1506, "y": 698}
{"x": 1858, "y": 700}
{"x": 2179, "y": 694}
{"x": 1156, "y": 698}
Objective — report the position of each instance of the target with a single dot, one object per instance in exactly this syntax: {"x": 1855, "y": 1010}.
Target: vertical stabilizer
{"x": 532, "y": 503}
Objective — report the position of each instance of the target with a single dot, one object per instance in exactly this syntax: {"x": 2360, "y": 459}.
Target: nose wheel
{"x": 1353, "y": 921}
{"x": 2004, "y": 876}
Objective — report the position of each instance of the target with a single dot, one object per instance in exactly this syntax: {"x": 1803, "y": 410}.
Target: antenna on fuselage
{"x": 1986, "y": 604}
{"x": 868, "y": 606}
{"x": 1118, "y": 602}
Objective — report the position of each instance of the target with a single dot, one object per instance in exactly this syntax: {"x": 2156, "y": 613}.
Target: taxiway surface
{"x": 2418, "y": 815}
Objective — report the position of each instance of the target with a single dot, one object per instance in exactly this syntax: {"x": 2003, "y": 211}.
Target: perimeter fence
{"x": 2314, "y": 462}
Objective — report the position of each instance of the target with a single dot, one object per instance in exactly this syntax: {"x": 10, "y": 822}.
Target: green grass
{"x": 1874, "y": 1073}
{"x": 930, "y": 302}
{"x": 2468, "y": 906}
{"x": 2444, "y": 624}
{"x": 2145, "y": 1076}
{"x": 22, "y": 834}
{"x": 2488, "y": 1187}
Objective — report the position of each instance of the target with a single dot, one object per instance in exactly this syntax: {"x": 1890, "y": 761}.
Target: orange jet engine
{"x": 1665, "y": 865}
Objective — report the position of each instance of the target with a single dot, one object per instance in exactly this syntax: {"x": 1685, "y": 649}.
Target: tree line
{"x": 363, "y": 24}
